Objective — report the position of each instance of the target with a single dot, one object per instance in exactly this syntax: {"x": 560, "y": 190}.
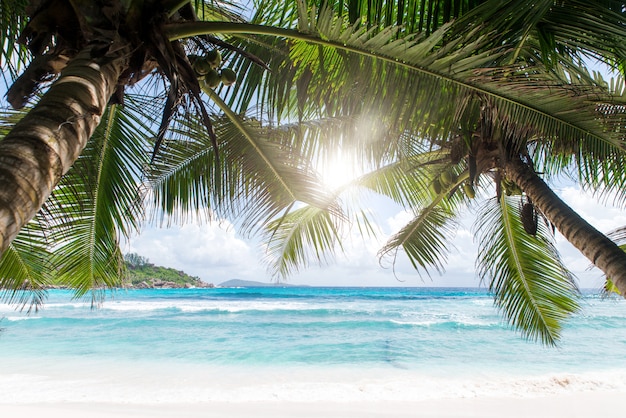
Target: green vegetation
{"x": 141, "y": 273}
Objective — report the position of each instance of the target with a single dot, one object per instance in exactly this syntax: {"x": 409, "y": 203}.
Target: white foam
{"x": 216, "y": 305}
{"x": 425, "y": 323}
{"x": 21, "y": 318}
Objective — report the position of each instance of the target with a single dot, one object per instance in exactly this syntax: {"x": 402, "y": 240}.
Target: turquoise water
{"x": 410, "y": 328}
{"x": 399, "y": 333}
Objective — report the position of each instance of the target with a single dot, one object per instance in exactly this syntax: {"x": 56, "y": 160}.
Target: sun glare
{"x": 338, "y": 171}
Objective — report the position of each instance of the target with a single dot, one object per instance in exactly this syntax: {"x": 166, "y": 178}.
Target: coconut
{"x": 201, "y": 66}
{"x": 228, "y": 76}
{"x": 214, "y": 58}
{"x": 211, "y": 80}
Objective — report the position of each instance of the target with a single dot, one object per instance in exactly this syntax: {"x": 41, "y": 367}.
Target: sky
{"x": 216, "y": 252}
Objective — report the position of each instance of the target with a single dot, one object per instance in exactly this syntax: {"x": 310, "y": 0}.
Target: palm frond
{"x": 434, "y": 81}
{"x": 410, "y": 15}
{"x": 298, "y": 236}
{"x": 405, "y": 181}
{"x": 571, "y": 29}
{"x": 12, "y": 20}
{"x": 425, "y": 240}
{"x": 530, "y": 284}
{"x": 597, "y": 167}
{"x": 258, "y": 177}
{"x": 25, "y": 268}
{"x": 95, "y": 202}
{"x": 184, "y": 178}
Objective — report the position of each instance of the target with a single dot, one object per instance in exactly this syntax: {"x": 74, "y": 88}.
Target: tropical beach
{"x": 300, "y": 127}
{"x": 281, "y": 352}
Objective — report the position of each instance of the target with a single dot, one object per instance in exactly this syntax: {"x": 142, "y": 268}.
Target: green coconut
{"x": 229, "y": 77}
{"x": 214, "y": 58}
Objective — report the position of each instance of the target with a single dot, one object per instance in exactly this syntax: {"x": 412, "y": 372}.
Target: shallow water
{"x": 301, "y": 343}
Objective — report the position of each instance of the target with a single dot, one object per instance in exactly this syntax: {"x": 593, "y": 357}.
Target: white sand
{"x": 98, "y": 389}
{"x": 571, "y": 406}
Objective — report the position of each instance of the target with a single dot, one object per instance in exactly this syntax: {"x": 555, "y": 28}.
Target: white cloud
{"x": 211, "y": 251}
{"x": 603, "y": 217}
{"x": 215, "y": 253}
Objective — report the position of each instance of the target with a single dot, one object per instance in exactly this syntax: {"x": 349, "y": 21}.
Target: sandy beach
{"x": 140, "y": 390}
{"x": 582, "y": 405}
{"x": 377, "y": 353}
{"x": 98, "y": 390}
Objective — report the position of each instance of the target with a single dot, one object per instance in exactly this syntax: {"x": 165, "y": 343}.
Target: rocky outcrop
{"x": 155, "y": 283}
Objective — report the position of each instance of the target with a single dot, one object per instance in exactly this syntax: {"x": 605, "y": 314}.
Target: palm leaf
{"x": 182, "y": 178}
{"x": 298, "y": 236}
{"x": 12, "y": 20}
{"x": 531, "y": 285}
{"x": 25, "y": 271}
{"x": 259, "y": 176}
{"x": 425, "y": 240}
{"x": 95, "y": 202}
{"x": 434, "y": 81}
{"x": 572, "y": 28}
{"x": 405, "y": 181}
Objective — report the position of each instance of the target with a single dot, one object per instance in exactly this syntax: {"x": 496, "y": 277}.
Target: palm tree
{"x": 318, "y": 61}
{"x": 99, "y": 52}
{"x": 94, "y": 53}
{"x": 478, "y": 136}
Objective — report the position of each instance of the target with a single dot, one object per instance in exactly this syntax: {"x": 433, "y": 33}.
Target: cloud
{"x": 603, "y": 217}
{"x": 216, "y": 253}
{"x": 211, "y": 251}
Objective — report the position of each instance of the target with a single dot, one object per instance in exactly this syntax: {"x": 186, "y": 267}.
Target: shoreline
{"x": 606, "y": 405}
{"x": 314, "y": 353}
{"x": 98, "y": 390}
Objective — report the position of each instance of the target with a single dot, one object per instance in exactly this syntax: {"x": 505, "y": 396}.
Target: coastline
{"x": 277, "y": 353}
{"x": 606, "y": 405}
{"x": 99, "y": 389}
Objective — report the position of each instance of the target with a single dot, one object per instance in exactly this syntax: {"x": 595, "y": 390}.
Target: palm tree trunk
{"x": 46, "y": 142}
{"x": 593, "y": 244}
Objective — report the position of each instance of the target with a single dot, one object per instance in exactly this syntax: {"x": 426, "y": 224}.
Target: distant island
{"x": 141, "y": 274}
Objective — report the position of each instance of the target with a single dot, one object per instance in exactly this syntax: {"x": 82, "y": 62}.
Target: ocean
{"x": 299, "y": 344}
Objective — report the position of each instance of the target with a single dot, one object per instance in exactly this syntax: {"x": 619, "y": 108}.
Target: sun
{"x": 338, "y": 171}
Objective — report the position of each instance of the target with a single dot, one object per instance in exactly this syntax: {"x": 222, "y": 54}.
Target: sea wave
{"x": 21, "y": 318}
{"x": 446, "y": 323}
{"x": 213, "y": 306}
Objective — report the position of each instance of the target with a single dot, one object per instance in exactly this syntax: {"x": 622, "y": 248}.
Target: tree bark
{"x": 593, "y": 244}
{"x": 46, "y": 142}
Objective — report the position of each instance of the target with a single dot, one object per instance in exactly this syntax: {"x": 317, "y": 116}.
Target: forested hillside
{"x": 142, "y": 274}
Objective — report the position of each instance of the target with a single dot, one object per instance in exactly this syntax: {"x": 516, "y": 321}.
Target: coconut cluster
{"x": 449, "y": 177}
{"x": 209, "y": 72}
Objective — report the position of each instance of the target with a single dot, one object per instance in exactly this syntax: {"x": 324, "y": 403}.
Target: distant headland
{"x": 140, "y": 273}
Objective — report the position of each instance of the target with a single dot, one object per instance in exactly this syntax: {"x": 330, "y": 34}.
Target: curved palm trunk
{"x": 593, "y": 244}
{"x": 46, "y": 142}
